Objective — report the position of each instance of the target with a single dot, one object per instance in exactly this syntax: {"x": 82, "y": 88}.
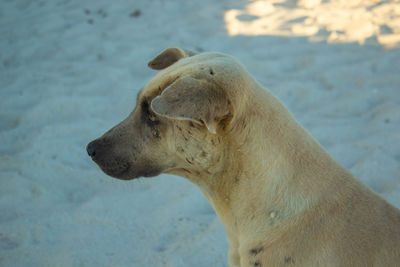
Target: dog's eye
{"x": 145, "y": 106}
{"x": 152, "y": 117}
{"x": 147, "y": 113}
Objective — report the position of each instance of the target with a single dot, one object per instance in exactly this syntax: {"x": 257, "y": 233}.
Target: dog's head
{"x": 181, "y": 118}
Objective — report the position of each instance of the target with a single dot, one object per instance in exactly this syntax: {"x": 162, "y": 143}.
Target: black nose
{"x": 91, "y": 149}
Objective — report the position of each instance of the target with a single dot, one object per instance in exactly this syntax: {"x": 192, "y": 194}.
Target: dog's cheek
{"x": 191, "y": 145}
{"x": 154, "y": 155}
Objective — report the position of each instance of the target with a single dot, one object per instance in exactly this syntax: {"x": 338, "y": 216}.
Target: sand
{"x": 70, "y": 70}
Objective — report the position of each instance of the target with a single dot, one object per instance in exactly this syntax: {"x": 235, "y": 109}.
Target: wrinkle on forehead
{"x": 155, "y": 88}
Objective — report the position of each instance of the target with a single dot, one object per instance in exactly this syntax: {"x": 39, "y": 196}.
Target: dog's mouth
{"x": 116, "y": 169}
{"x": 119, "y": 173}
{"x": 123, "y": 170}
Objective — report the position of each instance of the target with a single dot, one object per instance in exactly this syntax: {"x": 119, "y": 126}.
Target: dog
{"x": 282, "y": 199}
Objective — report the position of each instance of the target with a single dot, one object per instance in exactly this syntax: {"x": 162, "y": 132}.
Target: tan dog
{"x": 281, "y": 198}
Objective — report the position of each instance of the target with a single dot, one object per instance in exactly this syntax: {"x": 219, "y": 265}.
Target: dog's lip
{"x": 126, "y": 171}
{"x": 118, "y": 172}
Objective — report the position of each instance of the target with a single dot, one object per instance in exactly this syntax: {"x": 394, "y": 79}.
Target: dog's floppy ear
{"x": 195, "y": 100}
{"x": 168, "y": 57}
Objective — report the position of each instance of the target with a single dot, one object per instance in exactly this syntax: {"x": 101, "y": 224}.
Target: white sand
{"x": 70, "y": 70}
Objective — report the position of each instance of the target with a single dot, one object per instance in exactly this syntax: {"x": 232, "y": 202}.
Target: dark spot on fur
{"x": 179, "y": 128}
{"x": 255, "y": 251}
{"x": 186, "y": 170}
{"x": 289, "y": 260}
{"x": 212, "y": 142}
{"x": 155, "y": 133}
{"x": 237, "y": 179}
{"x": 211, "y": 71}
{"x": 189, "y": 161}
{"x": 257, "y": 263}
{"x": 191, "y": 124}
{"x": 203, "y": 154}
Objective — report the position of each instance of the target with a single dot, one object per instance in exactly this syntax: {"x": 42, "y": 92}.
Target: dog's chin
{"x": 132, "y": 173}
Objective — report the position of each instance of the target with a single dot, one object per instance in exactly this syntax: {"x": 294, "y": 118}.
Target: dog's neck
{"x": 266, "y": 170}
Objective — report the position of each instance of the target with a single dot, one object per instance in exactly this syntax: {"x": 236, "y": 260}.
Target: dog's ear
{"x": 194, "y": 100}
{"x": 168, "y": 57}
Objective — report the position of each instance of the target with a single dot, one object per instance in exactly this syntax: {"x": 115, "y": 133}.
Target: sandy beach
{"x": 70, "y": 70}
